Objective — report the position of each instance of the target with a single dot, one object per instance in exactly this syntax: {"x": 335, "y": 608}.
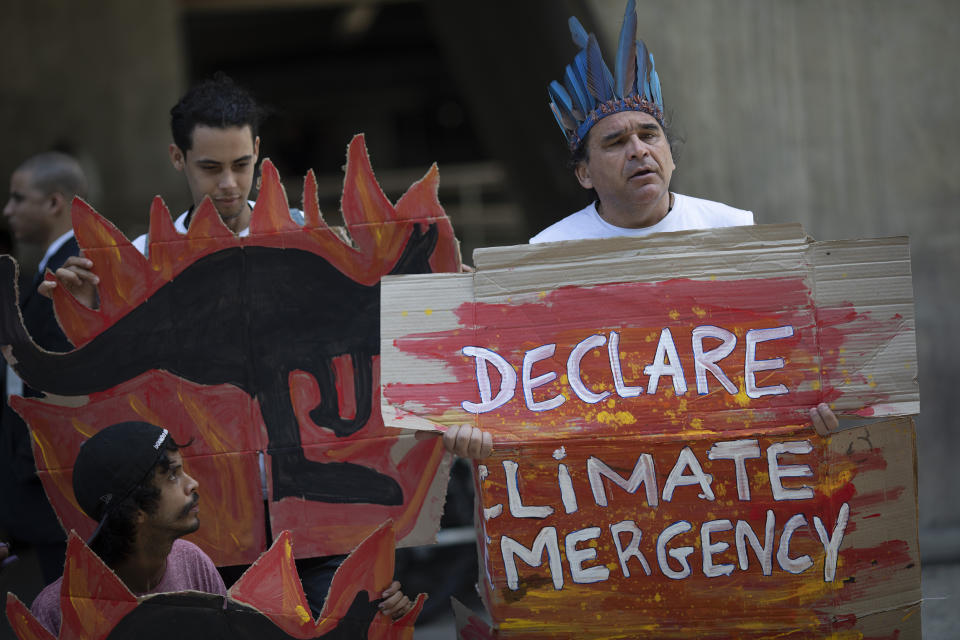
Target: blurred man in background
{"x": 38, "y": 213}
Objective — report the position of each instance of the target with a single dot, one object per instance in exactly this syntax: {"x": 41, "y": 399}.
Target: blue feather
{"x": 563, "y": 104}
{"x": 580, "y": 73}
{"x": 556, "y": 114}
{"x": 626, "y": 61}
{"x": 578, "y": 32}
{"x": 576, "y": 106}
{"x": 609, "y": 78}
{"x": 599, "y": 78}
{"x": 642, "y": 83}
{"x": 574, "y": 86}
{"x": 655, "y": 84}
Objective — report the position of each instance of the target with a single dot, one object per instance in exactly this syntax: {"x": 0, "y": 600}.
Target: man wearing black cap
{"x": 130, "y": 478}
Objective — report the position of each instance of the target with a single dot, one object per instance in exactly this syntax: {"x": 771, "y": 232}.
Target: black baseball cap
{"x": 112, "y": 463}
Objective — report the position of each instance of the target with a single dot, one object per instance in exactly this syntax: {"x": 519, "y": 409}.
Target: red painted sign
{"x": 654, "y": 469}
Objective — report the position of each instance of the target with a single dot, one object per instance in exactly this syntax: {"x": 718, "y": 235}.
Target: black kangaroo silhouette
{"x": 247, "y": 317}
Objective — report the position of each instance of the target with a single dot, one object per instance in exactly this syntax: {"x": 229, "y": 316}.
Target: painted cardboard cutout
{"x": 267, "y": 602}
{"x": 654, "y": 470}
{"x": 264, "y": 343}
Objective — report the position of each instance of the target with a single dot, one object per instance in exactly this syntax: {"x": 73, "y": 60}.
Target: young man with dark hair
{"x": 216, "y": 146}
{"x": 38, "y": 212}
{"x": 130, "y": 478}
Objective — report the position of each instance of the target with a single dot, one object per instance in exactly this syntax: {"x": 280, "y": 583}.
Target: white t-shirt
{"x": 687, "y": 213}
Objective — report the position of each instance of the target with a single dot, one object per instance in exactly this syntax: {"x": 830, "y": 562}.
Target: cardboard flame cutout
{"x": 268, "y": 342}
{"x": 266, "y": 602}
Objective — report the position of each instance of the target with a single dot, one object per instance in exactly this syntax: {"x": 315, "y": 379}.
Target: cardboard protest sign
{"x": 267, "y": 602}
{"x": 263, "y": 343}
{"x": 654, "y": 470}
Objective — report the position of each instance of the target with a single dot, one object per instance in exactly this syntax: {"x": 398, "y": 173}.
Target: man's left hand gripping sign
{"x": 268, "y": 342}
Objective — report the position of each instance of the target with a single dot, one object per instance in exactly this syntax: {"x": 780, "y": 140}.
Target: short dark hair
{"x": 115, "y": 540}
{"x": 56, "y": 172}
{"x": 581, "y": 154}
{"x": 215, "y": 102}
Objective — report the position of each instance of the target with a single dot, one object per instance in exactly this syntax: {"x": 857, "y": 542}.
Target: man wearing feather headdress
{"x": 622, "y": 148}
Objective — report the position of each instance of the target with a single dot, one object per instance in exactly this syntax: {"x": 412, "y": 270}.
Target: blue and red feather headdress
{"x": 589, "y": 92}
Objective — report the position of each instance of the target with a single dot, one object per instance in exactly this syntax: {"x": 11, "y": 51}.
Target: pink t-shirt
{"x": 188, "y": 569}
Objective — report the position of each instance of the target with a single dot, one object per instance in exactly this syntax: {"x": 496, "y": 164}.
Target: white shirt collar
{"x": 53, "y": 248}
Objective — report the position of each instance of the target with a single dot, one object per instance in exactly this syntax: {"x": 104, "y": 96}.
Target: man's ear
{"x": 177, "y": 157}
{"x": 583, "y": 175}
{"x": 57, "y": 202}
{"x": 256, "y": 148}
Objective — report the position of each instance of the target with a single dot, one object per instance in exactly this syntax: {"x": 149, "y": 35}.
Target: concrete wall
{"x": 97, "y": 77}
{"x": 840, "y": 115}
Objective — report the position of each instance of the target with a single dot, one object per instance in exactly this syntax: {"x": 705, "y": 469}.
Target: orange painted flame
{"x": 377, "y": 228}
{"x": 222, "y": 418}
{"x": 24, "y": 625}
{"x": 272, "y": 587}
{"x": 94, "y": 600}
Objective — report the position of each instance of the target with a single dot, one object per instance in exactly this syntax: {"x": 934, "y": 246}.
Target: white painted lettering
{"x": 778, "y": 471}
{"x": 632, "y": 550}
{"x": 576, "y": 557}
{"x": 677, "y": 478}
{"x": 666, "y": 362}
{"x": 529, "y": 384}
{"x": 679, "y": 554}
{"x": 546, "y": 540}
{"x": 508, "y": 380}
{"x": 831, "y": 544}
{"x": 751, "y": 366}
{"x": 517, "y": 508}
{"x": 567, "y": 494}
{"x": 738, "y": 451}
{"x": 708, "y": 547}
{"x": 573, "y": 369}
{"x": 643, "y": 473}
{"x": 745, "y": 534}
{"x": 704, "y": 361}
{"x": 800, "y": 563}
{"x": 613, "y": 350}
{"x": 489, "y": 513}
